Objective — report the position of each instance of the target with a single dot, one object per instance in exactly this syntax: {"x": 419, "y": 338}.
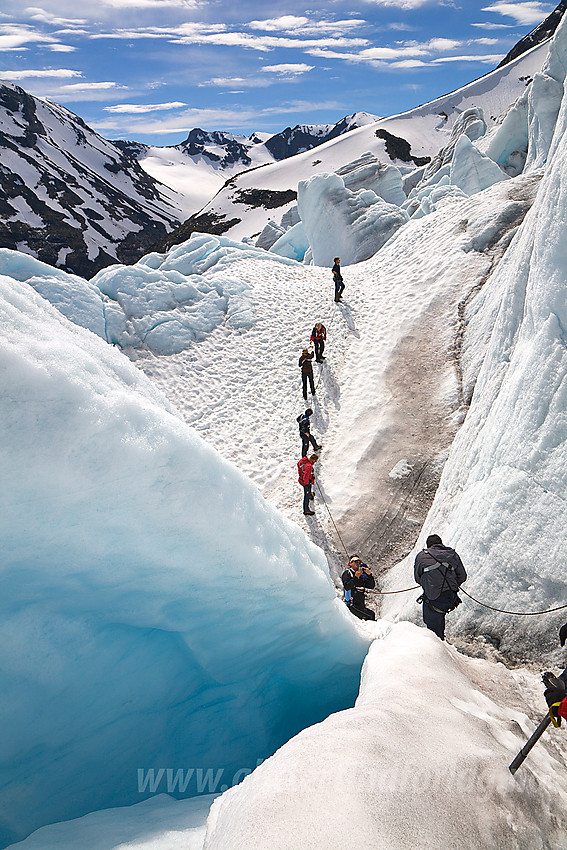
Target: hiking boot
{"x": 308, "y": 513}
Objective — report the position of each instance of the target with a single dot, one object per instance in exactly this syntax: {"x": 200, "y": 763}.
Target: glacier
{"x": 130, "y": 541}
{"x": 420, "y": 760}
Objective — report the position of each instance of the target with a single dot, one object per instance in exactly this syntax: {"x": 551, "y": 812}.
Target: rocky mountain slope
{"x": 68, "y": 196}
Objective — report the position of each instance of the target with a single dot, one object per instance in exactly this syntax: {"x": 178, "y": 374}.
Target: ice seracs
{"x": 352, "y": 225}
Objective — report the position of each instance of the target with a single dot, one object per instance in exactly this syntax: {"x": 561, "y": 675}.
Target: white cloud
{"x": 263, "y": 43}
{"x": 524, "y": 13}
{"x": 61, "y": 73}
{"x": 441, "y": 44}
{"x": 219, "y": 35}
{"x": 228, "y": 82}
{"x": 37, "y": 14}
{"x": 141, "y": 108}
{"x": 487, "y": 25}
{"x": 284, "y": 22}
{"x": 491, "y": 59}
{"x": 152, "y": 4}
{"x": 409, "y": 63}
{"x": 411, "y": 54}
{"x": 400, "y": 4}
{"x": 85, "y": 86}
{"x": 293, "y": 25}
{"x": 61, "y": 48}
{"x": 211, "y": 119}
{"x": 13, "y": 36}
{"x": 289, "y": 69}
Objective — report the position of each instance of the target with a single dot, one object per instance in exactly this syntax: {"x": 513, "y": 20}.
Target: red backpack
{"x": 305, "y": 469}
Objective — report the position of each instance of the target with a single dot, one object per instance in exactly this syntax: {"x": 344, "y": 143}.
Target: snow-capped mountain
{"x": 199, "y": 166}
{"x": 245, "y": 205}
{"x": 104, "y": 202}
{"x": 94, "y": 202}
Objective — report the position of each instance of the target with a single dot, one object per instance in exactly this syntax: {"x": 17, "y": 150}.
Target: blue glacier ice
{"x": 156, "y": 613}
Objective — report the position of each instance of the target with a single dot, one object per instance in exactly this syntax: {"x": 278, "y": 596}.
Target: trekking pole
{"x": 550, "y": 682}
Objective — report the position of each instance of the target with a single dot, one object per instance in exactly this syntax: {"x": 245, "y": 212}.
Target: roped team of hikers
{"x": 438, "y": 569}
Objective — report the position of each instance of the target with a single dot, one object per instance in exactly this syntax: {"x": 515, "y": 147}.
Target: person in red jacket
{"x": 318, "y": 337}
{"x": 556, "y": 690}
{"x": 306, "y": 479}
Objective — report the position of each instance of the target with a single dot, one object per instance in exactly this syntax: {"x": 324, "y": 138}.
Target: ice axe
{"x": 550, "y": 681}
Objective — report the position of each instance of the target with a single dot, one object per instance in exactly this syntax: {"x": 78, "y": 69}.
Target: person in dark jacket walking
{"x": 307, "y": 371}
{"x": 355, "y": 579}
{"x": 440, "y": 572}
{"x": 338, "y": 278}
{"x": 318, "y": 337}
{"x": 305, "y": 432}
{"x": 306, "y": 479}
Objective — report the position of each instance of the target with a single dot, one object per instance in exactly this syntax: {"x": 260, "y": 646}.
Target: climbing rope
{"x": 513, "y": 613}
{"x": 332, "y": 520}
{"x": 418, "y": 587}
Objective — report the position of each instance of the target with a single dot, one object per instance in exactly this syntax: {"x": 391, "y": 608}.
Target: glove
{"x": 554, "y": 696}
{"x": 563, "y": 634}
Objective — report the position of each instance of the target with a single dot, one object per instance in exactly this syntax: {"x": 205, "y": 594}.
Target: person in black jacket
{"x": 338, "y": 278}
{"x": 306, "y": 372}
{"x": 355, "y": 578}
{"x": 305, "y": 432}
{"x": 440, "y": 572}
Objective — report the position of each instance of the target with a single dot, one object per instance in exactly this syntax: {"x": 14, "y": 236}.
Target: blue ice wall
{"x": 156, "y": 612}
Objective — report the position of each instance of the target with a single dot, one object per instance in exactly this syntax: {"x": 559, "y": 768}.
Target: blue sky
{"x": 150, "y": 70}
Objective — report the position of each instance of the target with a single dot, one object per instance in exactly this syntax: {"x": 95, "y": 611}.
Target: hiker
{"x": 338, "y": 278}
{"x": 305, "y": 432}
{"x": 307, "y": 371}
{"x": 555, "y": 694}
{"x": 440, "y": 572}
{"x": 356, "y": 578}
{"x": 306, "y": 479}
{"x": 318, "y": 337}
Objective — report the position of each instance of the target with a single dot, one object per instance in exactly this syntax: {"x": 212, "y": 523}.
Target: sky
{"x": 151, "y": 70}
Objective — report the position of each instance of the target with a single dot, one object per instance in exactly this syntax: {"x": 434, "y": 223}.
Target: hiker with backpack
{"x": 338, "y": 278}
{"x": 305, "y": 432}
{"x": 440, "y": 572}
{"x": 306, "y": 367}
{"x": 306, "y": 479}
{"x": 355, "y": 579}
{"x": 318, "y": 337}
